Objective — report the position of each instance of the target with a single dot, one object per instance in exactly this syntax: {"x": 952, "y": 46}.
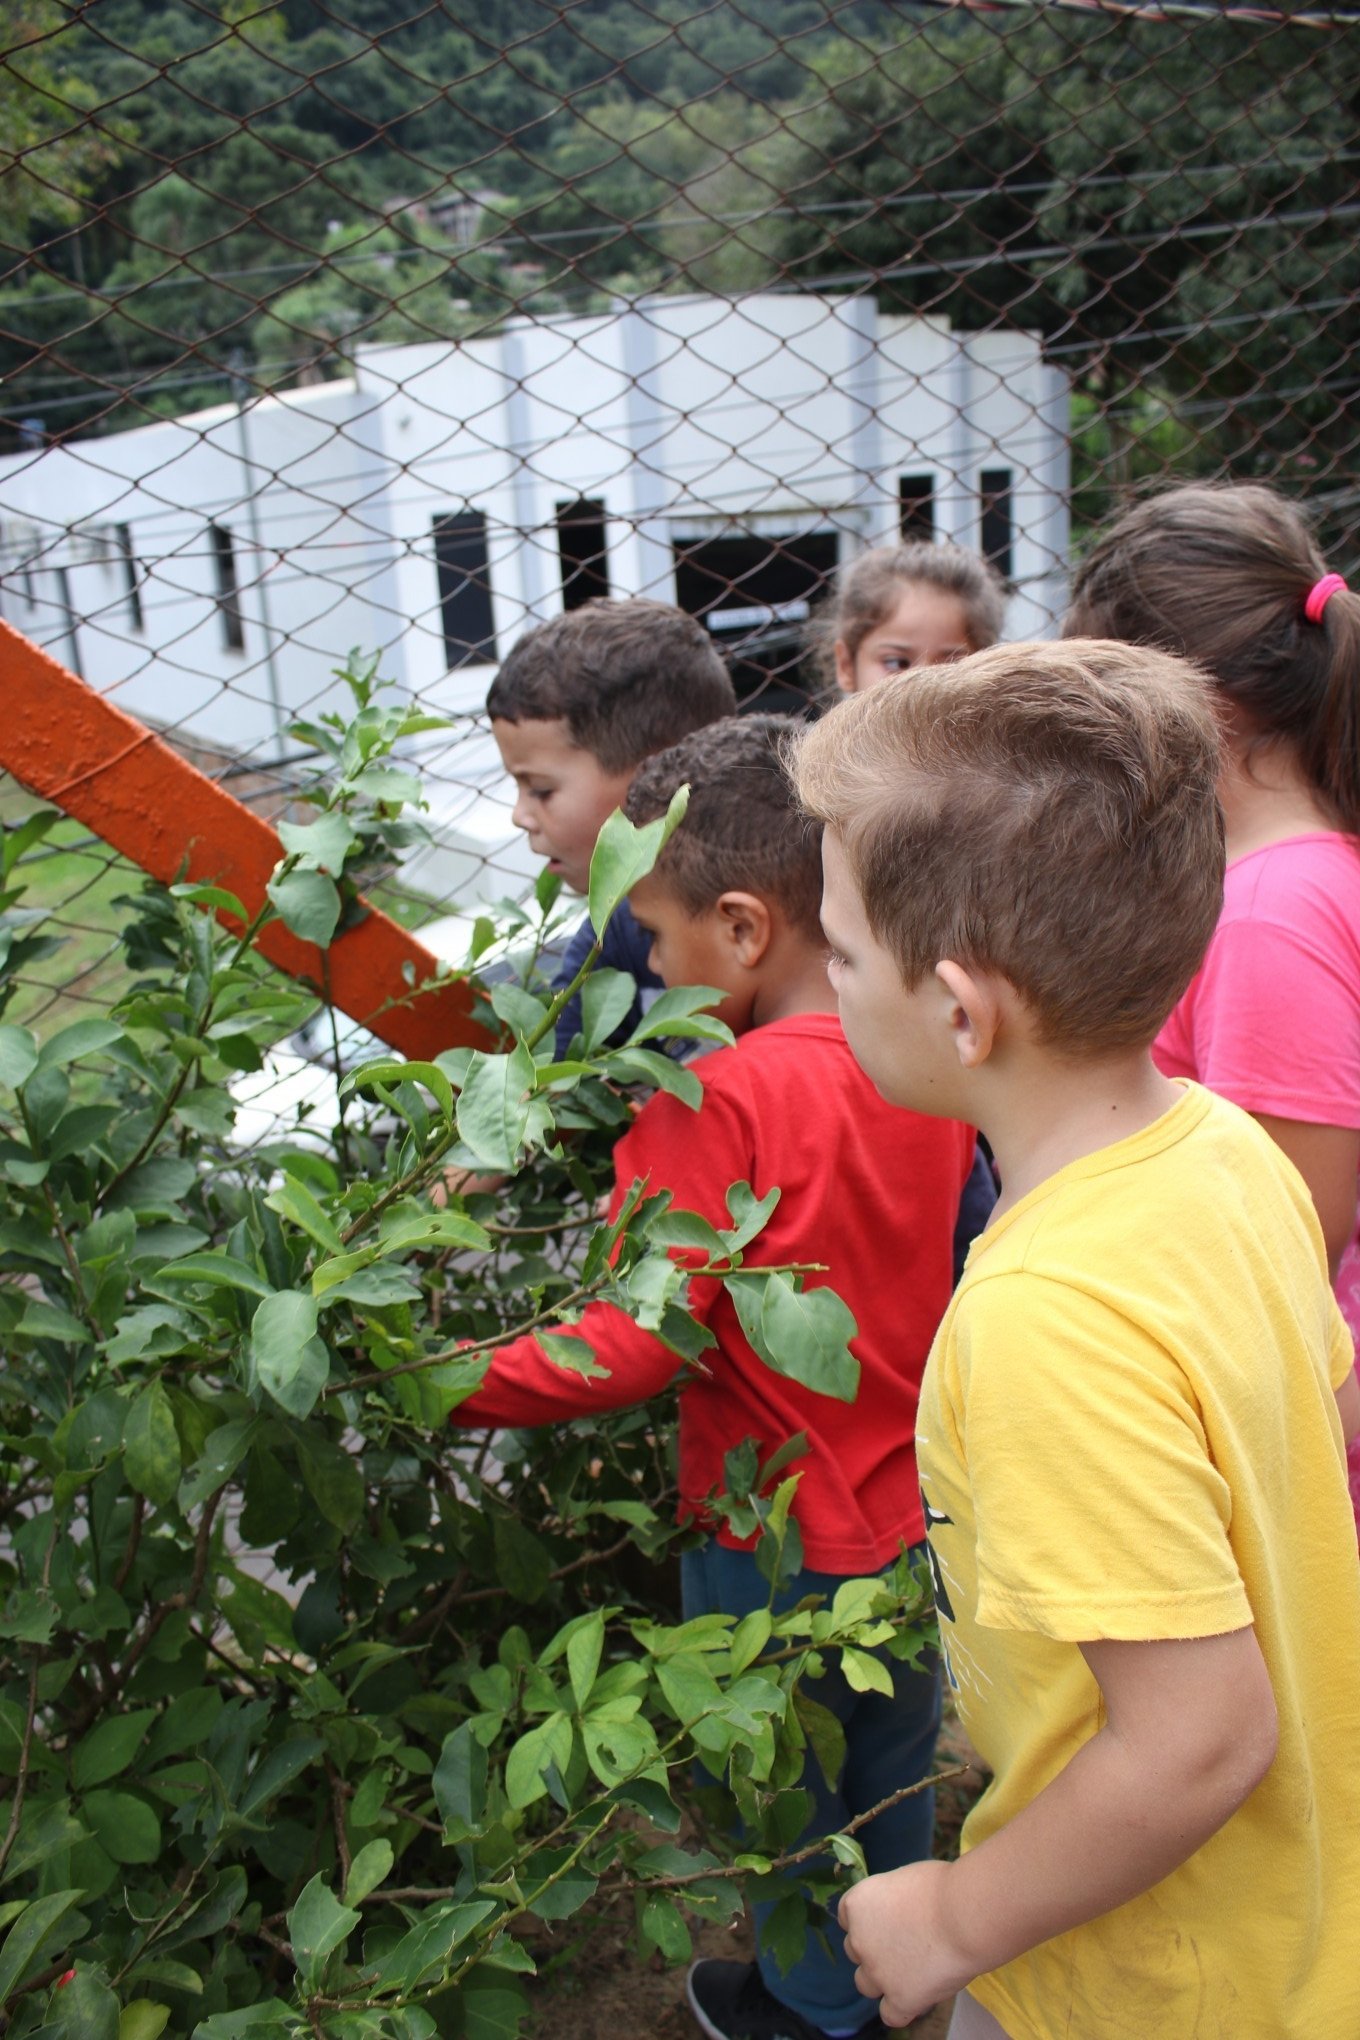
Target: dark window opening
{"x": 581, "y": 550}
{"x": 916, "y": 506}
{"x": 464, "y": 588}
{"x": 132, "y": 575}
{"x": 755, "y": 595}
{"x": 68, "y": 610}
{"x": 997, "y": 527}
{"x": 228, "y": 593}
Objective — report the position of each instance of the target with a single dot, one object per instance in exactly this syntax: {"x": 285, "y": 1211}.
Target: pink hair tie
{"x": 1320, "y": 594}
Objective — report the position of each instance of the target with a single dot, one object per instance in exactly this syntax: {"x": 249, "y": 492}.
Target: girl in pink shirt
{"x": 1231, "y": 577}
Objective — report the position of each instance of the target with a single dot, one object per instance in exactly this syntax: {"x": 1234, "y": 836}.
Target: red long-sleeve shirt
{"x": 869, "y": 1189}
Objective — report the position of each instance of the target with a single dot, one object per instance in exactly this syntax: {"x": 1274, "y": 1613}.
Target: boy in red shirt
{"x": 870, "y": 1191}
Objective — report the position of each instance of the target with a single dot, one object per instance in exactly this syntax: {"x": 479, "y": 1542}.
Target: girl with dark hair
{"x": 1231, "y": 577}
{"x": 899, "y": 606}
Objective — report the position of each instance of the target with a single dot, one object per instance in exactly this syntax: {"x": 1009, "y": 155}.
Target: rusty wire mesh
{"x": 401, "y": 326}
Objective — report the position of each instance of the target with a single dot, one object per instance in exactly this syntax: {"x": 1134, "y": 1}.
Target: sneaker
{"x": 730, "y": 2001}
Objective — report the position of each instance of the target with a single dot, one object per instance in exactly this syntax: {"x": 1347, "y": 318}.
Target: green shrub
{"x": 308, "y": 1708}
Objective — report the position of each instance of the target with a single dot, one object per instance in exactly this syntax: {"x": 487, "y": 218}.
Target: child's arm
{"x": 664, "y": 1147}
{"x": 1190, "y": 1732}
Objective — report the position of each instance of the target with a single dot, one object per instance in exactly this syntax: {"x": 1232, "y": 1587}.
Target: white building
{"x": 209, "y": 572}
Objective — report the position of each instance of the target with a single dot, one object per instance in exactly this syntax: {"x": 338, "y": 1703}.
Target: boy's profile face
{"x": 888, "y": 1028}
{"x": 692, "y": 949}
{"x": 563, "y": 795}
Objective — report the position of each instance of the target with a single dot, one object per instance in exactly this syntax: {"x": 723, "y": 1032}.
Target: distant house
{"x": 210, "y": 571}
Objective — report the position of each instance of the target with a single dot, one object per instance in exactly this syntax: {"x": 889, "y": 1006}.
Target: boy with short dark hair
{"x": 576, "y": 707}
{"x": 1130, "y": 1449}
{"x": 873, "y": 1195}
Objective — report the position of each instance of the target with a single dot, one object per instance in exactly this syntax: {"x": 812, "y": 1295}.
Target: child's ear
{"x": 845, "y": 667}
{"x": 747, "y": 926}
{"x": 974, "y": 1013}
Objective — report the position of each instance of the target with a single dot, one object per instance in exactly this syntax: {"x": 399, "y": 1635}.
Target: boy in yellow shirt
{"x": 1130, "y": 1447}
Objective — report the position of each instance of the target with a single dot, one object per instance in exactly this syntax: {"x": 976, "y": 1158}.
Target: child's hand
{"x": 897, "y": 1933}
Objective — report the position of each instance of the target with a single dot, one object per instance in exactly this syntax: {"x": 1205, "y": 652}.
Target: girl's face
{"x": 927, "y": 628}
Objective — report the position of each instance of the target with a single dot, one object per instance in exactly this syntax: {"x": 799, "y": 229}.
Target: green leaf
{"x": 570, "y": 1352}
{"x": 294, "y": 1201}
{"x": 392, "y": 1070}
{"x": 109, "y": 1748}
{"x": 18, "y": 1056}
{"x": 750, "y": 1214}
{"x": 214, "y": 896}
{"x": 522, "y": 1563}
{"x": 664, "y": 1926}
{"x": 333, "y": 1479}
{"x": 47, "y": 1831}
{"x": 489, "y": 2013}
{"x": 218, "y": 1268}
{"x": 554, "y": 1887}
{"x": 825, "y": 1735}
{"x": 864, "y": 1672}
{"x": 583, "y": 1656}
{"x": 20, "y": 837}
{"x": 459, "y": 1781}
{"x": 27, "y": 1935}
{"x": 123, "y": 1825}
{"x": 493, "y": 1106}
{"x": 186, "y": 1722}
{"x": 82, "y": 1037}
{"x": 223, "y": 1450}
{"x": 848, "y": 1851}
{"x": 679, "y": 1012}
{"x": 169, "y": 1974}
{"x": 520, "y": 1010}
{"x": 317, "y": 1925}
{"x": 322, "y": 845}
{"x": 270, "y": 2016}
{"x": 429, "y": 1943}
{"x": 290, "y": 1361}
{"x": 546, "y": 1746}
{"x": 808, "y": 1333}
{"x": 606, "y": 1000}
{"x": 151, "y": 1454}
{"x": 83, "y": 2009}
{"x": 50, "y": 1321}
{"x": 749, "y": 1638}
{"x": 660, "y": 1072}
{"x": 308, "y": 904}
{"x": 368, "y": 1870}
{"x": 143, "y": 2020}
{"x": 624, "y": 854}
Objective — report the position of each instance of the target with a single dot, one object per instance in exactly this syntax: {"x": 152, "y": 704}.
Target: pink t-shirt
{"x": 1272, "y": 1020}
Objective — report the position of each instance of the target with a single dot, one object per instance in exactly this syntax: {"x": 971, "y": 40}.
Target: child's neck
{"x": 1266, "y": 798}
{"x": 795, "y": 982}
{"x": 1053, "y": 1113}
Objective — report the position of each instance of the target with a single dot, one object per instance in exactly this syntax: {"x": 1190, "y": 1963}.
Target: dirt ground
{"x": 593, "y": 1985}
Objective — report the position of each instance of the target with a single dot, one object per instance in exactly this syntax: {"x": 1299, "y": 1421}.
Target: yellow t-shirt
{"x": 1127, "y": 1431}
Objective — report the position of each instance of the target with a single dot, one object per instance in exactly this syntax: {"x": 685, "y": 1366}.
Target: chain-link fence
{"x": 402, "y": 326}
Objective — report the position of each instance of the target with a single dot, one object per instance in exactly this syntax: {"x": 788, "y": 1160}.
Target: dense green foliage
{"x": 1171, "y": 202}
{"x": 311, "y": 1716}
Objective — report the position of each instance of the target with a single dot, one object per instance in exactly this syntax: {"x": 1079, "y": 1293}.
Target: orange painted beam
{"x": 63, "y": 741}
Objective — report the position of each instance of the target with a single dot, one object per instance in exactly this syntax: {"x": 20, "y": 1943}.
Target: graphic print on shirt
{"x": 943, "y": 1603}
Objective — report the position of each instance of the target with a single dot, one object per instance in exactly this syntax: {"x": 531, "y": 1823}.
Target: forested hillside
{"x": 213, "y": 186}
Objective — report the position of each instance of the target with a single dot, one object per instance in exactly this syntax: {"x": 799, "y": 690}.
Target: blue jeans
{"x": 888, "y": 1743}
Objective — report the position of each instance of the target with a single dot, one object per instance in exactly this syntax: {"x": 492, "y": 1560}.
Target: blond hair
{"x": 1044, "y": 812}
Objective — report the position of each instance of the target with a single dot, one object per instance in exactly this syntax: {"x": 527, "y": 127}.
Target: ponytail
{"x": 1222, "y": 573}
{"x": 1331, "y": 757}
